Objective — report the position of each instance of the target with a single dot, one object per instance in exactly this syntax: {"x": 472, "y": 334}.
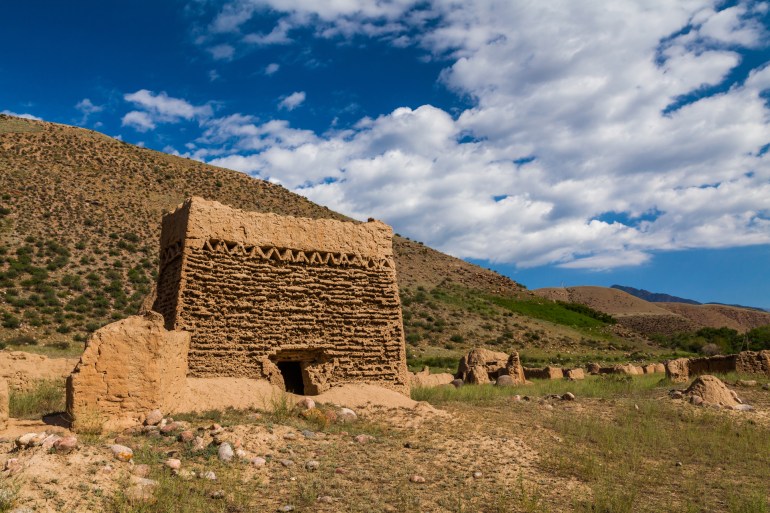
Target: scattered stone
{"x": 150, "y": 430}
{"x": 12, "y": 465}
{"x": 241, "y": 454}
{"x": 121, "y": 452}
{"x": 287, "y": 507}
{"x": 504, "y": 381}
{"x": 305, "y": 403}
{"x": 696, "y": 400}
{"x": 477, "y": 474}
{"x": 548, "y": 406}
{"x": 457, "y": 383}
{"x": 258, "y": 462}
{"x": 66, "y": 445}
{"x": 215, "y": 429}
{"x": 287, "y": 463}
{"x": 217, "y": 494}
{"x": 25, "y": 440}
{"x": 516, "y": 398}
{"x": 746, "y": 383}
{"x": 141, "y": 470}
{"x": 676, "y": 394}
{"x": 416, "y": 478}
{"x": 186, "y": 436}
{"x": 211, "y": 476}
{"x": 141, "y": 490}
{"x": 569, "y": 396}
{"x": 290, "y": 436}
{"x": 312, "y": 465}
{"x": 363, "y": 439}
{"x": 107, "y": 469}
{"x": 743, "y": 407}
{"x": 153, "y": 418}
{"x": 199, "y": 444}
{"x": 173, "y": 463}
{"x": 678, "y": 463}
{"x": 49, "y": 441}
{"x": 341, "y": 470}
{"x": 225, "y": 452}
{"x": 309, "y": 434}
{"x": 346, "y": 415}
{"x": 186, "y": 474}
{"x": 325, "y": 499}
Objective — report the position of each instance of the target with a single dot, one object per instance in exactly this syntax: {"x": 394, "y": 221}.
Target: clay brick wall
{"x": 255, "y": 290}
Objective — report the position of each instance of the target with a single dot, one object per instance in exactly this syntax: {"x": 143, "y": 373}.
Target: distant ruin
{"x": 305, "y": 303}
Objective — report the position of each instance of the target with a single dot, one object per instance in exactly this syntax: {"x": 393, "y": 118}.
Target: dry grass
{"x": 42, "y": 398}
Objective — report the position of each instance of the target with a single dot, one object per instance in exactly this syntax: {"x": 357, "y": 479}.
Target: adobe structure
{"x": 305, "y": 303}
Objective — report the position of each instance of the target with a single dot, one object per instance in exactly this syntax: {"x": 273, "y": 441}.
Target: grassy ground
{"x": 44, "y": 397}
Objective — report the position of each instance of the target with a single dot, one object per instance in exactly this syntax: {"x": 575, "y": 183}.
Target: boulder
{"x": 128, "y": 368}
{"x": 594, "y": 368}
{"x": 678, "y": 370}
{"x": 659, "y": 368}
{"x": 709, "y": 390}
{"x": 504, "y": 381}
{"x": 574, "y": 374}
{"x": 627, "y": 369}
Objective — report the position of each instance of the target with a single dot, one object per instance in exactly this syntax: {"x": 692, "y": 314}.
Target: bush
{"x": 22, "y": 340}
{"x": 10, "y": 321}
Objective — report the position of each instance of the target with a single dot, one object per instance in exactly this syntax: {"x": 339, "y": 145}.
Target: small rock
{"x": 211, "y": 476}
{"x": 678, "y": 463}
{"x": 12, "y": 465}
{"x": 107, "y": 469}
{"x": 516, "y": 398}
{"x": 147, "y": 430}
{"x": 746, "y": 383}
{"x": 66, "y": 445}
{"x": 504, "y": 381}
{"x": 241, "y": 454}
{"x": 341, "y": 470}
{"x": 225, "y": 452}
{"x": 290, "y": 436}
{"x": 457, "y": 383}
{"x": 548, "y": 406}
{"x": 141, "y": 470}
{"x": 310, "y": 435}
{"x": 477, "y": 474}
{"x": 416, "y": 478}
{"x": 696, "y": 400}
{"x": 346, "y": 415}
{"x": 25, "y": 440}
{"x": 217, "y": 494}
{"x": 170, "y": 428}
{"x": 287, "y": 507}
{"x": 569, "y": 396}
{"x": 141, "y": 490}
{"x": 743, "y": 407}
{"x": 215, "y": 429}
{"x": 186, "y": 436}
{"x": 676, "y": 394}
{"x": 287, "y": 463}
{"x": 173, "y": 463}
{"x": 312, "y": 465}
{"x": 49, "y": 441}
{"x": 186, "y": 474}
{"x": 121, "y": 452}
{"x": 325, "y": 499}
{"x": 199, "y": 444}
{"x": 305, "y": 403}
{"x": 363, "y": 439}
{"x": 258, "y": 462}
{"x": 153, "y": 418}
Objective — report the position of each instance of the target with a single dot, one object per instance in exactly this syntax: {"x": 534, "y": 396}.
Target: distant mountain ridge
{"x": 659, "y": 297}
{"x": 655, "y": 297}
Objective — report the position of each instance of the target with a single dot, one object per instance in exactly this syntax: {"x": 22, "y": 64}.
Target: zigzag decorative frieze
{"x": 169, "y": 253}
{"x": 295, "y": 256}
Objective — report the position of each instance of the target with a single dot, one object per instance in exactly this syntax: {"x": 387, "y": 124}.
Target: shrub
{"x": 22, "y": 340}
{"x": 10, "y": 321}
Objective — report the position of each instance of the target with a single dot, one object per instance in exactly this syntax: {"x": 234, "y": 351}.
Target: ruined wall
{"x": 256, "y": 290}
{"x": 749, "y": 362}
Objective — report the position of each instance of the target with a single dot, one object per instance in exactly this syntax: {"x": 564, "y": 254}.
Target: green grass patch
{"x": 437, "y": 364}
{"x": 45, "y": 396}
{"x": 551, "y": 311}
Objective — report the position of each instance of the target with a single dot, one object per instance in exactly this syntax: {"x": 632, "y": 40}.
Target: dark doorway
{"x": 292, "y": 377}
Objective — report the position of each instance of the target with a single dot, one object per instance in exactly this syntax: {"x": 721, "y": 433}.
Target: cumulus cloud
{"x": 292, "y": 101}
{"x": 272, "y": 68}
{"x": 581, "y": 115}
{"x": 87, "y": 107}
{"x": 24, "y": 115}
{"x": 161, "y": 108}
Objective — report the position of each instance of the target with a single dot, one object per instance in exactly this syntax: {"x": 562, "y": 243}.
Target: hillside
{"x": 658, "y": 318}
{"x": 654, "y": 297}
{"x": 79, "y": 229}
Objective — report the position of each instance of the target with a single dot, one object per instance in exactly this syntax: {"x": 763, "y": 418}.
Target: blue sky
{"x": 557, "y": 142}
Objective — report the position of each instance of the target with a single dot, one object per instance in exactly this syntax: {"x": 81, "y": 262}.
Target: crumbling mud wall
{"x": 128, "y": 368}
{"x": 749, "y": 362}
{"x": 307, "y": 304}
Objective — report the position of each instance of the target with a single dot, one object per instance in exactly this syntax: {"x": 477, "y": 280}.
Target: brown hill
{"x": 79, "y": 229}
{"x": 658, "y": 318}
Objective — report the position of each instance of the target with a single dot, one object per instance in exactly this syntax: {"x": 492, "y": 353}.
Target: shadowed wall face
{"x": 274, "y": 297}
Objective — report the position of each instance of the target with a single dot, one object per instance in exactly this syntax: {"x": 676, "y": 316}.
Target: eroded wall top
{"x": 198, "y": 220}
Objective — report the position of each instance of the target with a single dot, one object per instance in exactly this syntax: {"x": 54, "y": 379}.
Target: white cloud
{"x": 87, "y": 107}
{"x": 271, "y": 68}
{"x": 25, "y": 116}
{"x": 139, "y": 121}
{"x": 223, "y": 52}
{"x": 292, "y": 101}
{"x": 161, "y": 108}
{"x": 572, "y": 120}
